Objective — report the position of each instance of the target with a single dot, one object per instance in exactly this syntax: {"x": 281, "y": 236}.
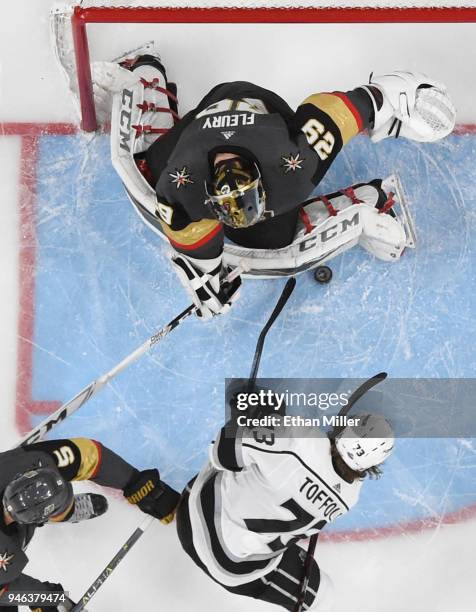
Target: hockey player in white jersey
{"x": 240, "y": 519}
{"x": 228, "y": 181}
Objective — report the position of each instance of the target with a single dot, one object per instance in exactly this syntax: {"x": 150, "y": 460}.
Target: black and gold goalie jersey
{"x": 293, "y": 151}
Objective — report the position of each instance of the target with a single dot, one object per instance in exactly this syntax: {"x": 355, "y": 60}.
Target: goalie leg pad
{"x": 140, "y": 111}
{"x": 125, "y": 114}
{"x": 318, "y": 211}
{"x": 158, "y": 105}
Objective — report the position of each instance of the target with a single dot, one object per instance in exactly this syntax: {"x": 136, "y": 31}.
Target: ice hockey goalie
{"x": 229, "y": 183}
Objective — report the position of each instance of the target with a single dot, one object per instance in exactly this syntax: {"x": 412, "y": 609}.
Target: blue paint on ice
{"x": 103, "y": 285}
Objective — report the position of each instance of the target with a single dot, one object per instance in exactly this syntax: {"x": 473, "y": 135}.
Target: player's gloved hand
{"x": 411, "y": 105}
{"x": 152, "y": 495}
{"x": 205, "y": 281}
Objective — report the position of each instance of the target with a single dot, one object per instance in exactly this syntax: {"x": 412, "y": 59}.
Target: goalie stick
{"x": 88, "y": 392}
{"x": 353, "y": 399}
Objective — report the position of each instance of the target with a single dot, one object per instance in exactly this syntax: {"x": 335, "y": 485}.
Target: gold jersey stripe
{"x": 89, "y": 458}
{"x": 194, "y": 235}
{"x": 338, "y": 111}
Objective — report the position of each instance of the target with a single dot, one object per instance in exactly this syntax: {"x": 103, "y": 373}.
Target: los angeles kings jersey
{"x": 257, "y": 495}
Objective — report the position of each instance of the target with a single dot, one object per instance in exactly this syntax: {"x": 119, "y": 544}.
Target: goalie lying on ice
{"x": 237, "y": 169}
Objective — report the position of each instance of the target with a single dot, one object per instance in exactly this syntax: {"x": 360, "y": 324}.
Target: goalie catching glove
{"x": 205, "y": 281}
{"x": 411, "y": 105}
{"x": 152, "y": 495}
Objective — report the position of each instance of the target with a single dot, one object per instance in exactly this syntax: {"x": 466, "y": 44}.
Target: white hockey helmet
{"x": 367, "y": 444}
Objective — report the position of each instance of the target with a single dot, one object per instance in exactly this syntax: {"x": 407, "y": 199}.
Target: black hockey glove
{"x": 153, "y": 496}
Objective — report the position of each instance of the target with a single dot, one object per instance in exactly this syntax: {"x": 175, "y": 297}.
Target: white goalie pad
{"x": 382, "y": 235}
{"x": 124, "y": 143}
{"x": 128, "y": 119}
{"x": 63, "y": 48}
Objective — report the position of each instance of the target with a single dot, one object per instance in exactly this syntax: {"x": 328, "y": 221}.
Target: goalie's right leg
{"x": 159, "y": 106}
{"x": 141, "y": 113}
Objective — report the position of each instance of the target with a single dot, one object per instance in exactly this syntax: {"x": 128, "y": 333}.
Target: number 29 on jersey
{"x": 321, "y": 141}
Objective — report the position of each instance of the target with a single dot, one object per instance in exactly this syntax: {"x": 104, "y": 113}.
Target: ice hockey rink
{"x": 84, "y": 282}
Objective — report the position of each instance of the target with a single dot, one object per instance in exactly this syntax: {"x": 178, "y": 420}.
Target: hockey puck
{"x": 323, "y": 274}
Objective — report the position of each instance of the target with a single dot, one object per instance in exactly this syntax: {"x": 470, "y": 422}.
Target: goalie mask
{"x": 236, "y": 195}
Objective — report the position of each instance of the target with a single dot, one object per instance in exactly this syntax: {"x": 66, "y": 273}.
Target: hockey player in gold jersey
{"x": 35, "y": 485}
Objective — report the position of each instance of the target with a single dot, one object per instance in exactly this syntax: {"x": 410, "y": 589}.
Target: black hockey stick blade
{"x": 288, "y": 289}
{"x": 356, "y": 395}
{"x": 362, "y": 390}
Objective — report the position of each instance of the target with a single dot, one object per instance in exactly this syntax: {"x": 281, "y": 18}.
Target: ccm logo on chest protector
{"x": 330, "y": 232}
{"x": 229, "y": 120}
{"x": 125, "y": 120}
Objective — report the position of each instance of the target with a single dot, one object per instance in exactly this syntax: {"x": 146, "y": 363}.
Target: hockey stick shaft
{"x": 88, "y": 392}
{"x": 288, "y": 289}
{"x": 113, "y": 563}
{"x": 311, "y": 549}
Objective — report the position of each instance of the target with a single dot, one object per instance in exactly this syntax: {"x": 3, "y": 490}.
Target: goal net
{"x": 292, "y": 48}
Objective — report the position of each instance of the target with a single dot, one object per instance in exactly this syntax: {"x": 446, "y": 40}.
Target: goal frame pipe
{"x": 109, "y": 14}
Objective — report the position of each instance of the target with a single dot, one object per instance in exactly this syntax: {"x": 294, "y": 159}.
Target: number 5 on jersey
{"x": 321, "y": 141}
{"x": 64, "y": 456}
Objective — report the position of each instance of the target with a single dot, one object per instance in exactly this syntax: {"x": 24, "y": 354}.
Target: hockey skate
{"x": 88, "y": 506}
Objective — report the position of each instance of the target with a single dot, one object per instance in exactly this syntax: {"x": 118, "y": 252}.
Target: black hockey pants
{"x": 281, "y": 586}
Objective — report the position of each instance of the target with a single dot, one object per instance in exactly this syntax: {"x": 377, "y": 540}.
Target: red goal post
{"x": 81, "y": 16}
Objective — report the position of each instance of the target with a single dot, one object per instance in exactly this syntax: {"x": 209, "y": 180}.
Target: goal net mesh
{"x": 71, "y": 21}
{"x": 276, "y": 3}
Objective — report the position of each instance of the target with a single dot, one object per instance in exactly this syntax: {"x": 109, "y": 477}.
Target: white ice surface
{"x": 429, "y": 572}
